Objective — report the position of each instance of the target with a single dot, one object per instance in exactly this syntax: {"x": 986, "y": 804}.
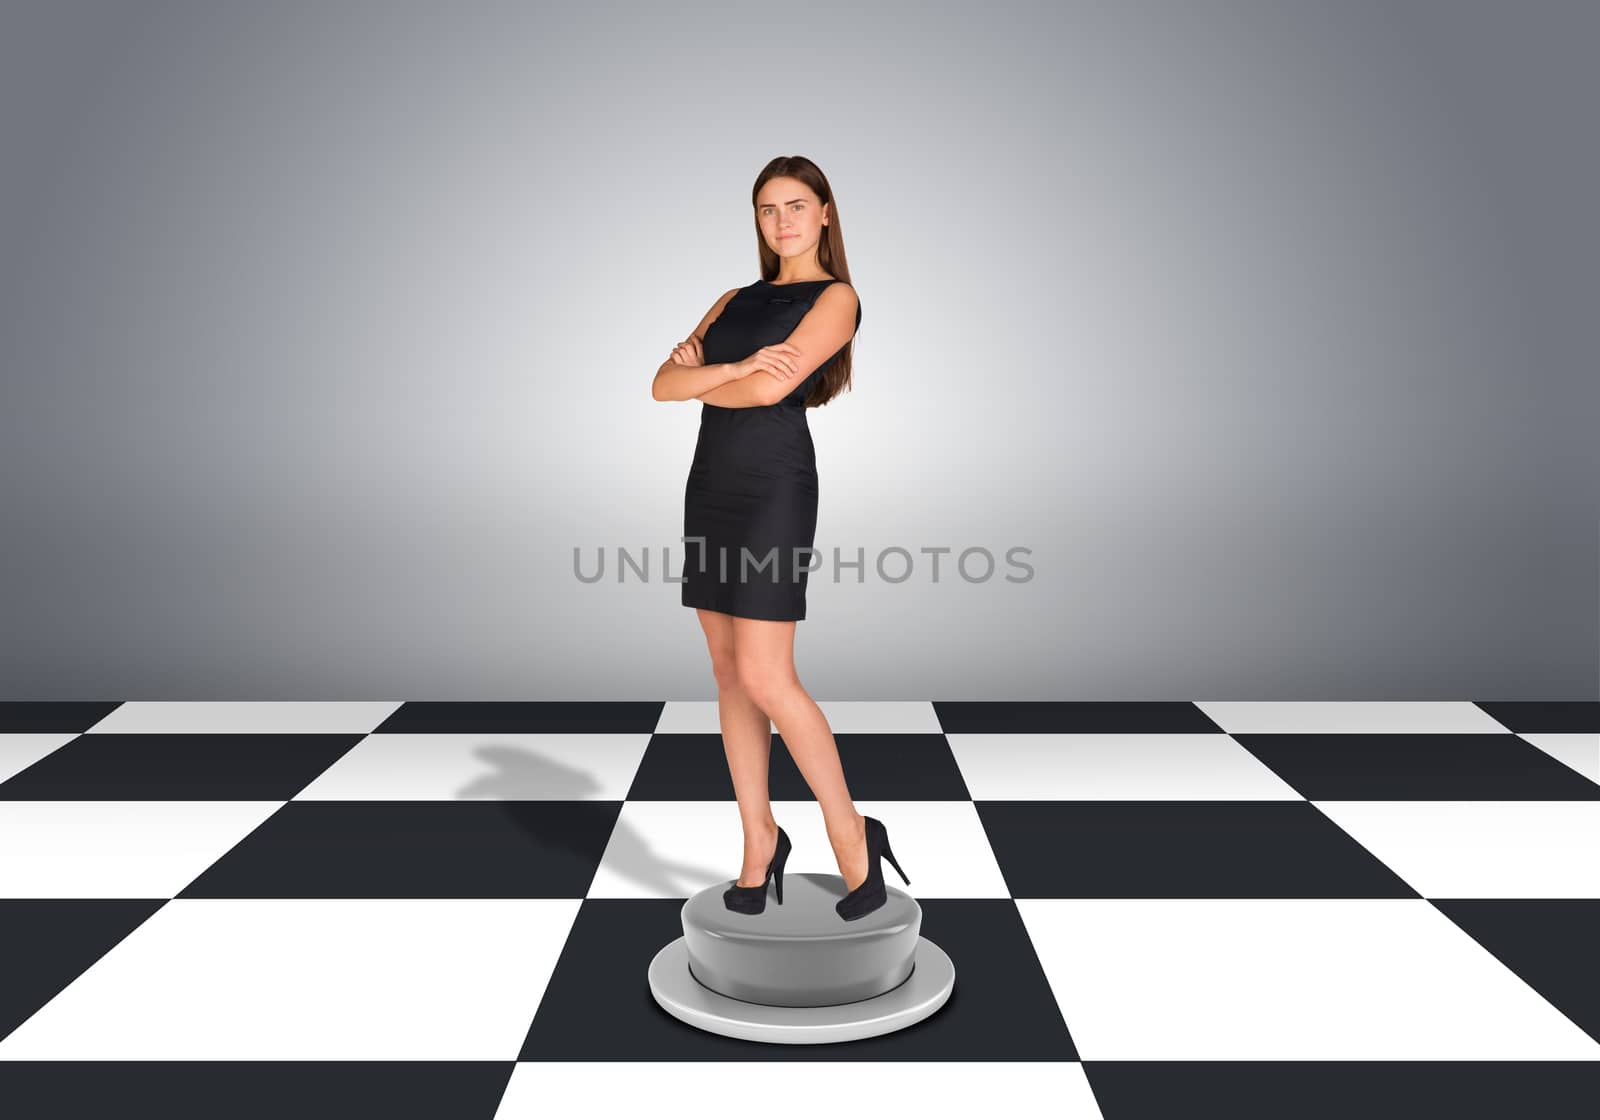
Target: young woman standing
{"x": 760, "y": 357}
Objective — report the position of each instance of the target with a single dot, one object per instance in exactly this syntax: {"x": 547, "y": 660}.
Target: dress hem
{"x": 736, "y": 614}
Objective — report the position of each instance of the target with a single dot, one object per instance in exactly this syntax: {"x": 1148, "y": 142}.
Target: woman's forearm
{"x": 677, "y": 382}
{"x": 753, "y": 390}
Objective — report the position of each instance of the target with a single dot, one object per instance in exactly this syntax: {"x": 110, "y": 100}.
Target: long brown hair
{"x": 830, "y": 258}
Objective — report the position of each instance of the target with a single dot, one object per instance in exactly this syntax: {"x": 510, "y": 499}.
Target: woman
{"x": 759, "y": 358}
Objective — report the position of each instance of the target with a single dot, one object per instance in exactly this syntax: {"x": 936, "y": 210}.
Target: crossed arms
{"x": 824, "y": 329}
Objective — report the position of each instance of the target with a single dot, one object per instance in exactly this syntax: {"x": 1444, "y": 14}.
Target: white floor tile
{"x": 477, "y": 767}
{"x": 671, "y": 849}
{"x": 117, "y": 849}
{"x": 1349, "y": 717}
{"x": 1481, "y": 849}
{"x": 789, "y": 1091}
{"x": 1287, "y": 979}
{"x": 1083, "y": 767}
{"x": 258, "y": 717}
{"x": 309, "y": 979}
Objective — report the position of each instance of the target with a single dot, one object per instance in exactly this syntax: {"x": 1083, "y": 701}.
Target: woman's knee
{"x": 725, "y": 670}
{"x": 760, "y": 680}
{"x": 723, "y": 665}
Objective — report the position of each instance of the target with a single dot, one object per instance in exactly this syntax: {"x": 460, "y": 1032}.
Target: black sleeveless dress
{"x": 750, "y": 506}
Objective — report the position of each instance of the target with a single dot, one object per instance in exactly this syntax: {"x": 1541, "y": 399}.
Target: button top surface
{"x": 807, "y": 913}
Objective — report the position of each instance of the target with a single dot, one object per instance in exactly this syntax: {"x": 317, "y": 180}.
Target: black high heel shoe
{"x": 873, "y": 893}
{"x": 753, "y": 900}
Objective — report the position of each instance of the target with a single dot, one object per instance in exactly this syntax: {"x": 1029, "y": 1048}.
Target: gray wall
{"x": 328, "y": 332}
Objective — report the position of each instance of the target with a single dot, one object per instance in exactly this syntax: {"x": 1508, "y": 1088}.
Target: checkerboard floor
{"x": 448, "y": 909}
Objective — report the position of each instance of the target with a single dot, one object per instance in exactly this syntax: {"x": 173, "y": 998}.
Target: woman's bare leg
{"x": 764, "y": 654}
{"x": 747, "y": 741}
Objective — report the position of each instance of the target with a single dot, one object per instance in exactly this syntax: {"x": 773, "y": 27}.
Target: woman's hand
{"x": 688, "y": 352}
{"x": 778, "y": 360}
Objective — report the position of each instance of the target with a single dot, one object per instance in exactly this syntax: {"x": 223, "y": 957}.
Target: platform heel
{"x": 753, "y": 900}
{"x": 872, "y": 893}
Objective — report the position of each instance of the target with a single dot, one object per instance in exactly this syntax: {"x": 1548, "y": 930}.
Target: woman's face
{"x": 791, "y": 217}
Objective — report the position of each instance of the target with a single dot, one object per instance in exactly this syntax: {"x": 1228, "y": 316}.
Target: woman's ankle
{"x": 848, "y": 833}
